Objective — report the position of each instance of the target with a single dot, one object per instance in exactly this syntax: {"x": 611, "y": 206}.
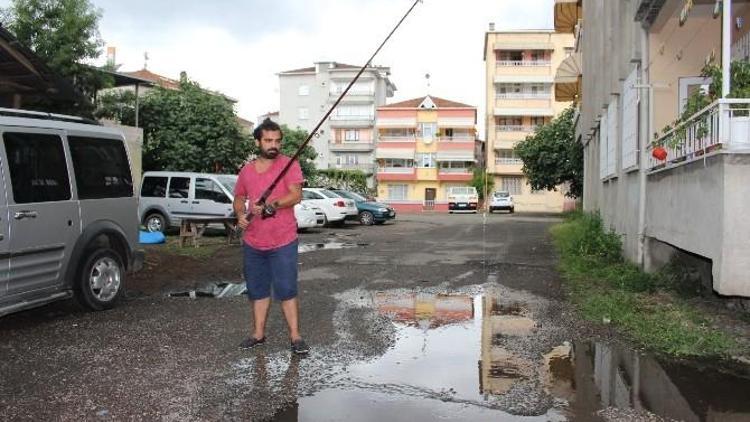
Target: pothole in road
{"x": 498, "y": 356}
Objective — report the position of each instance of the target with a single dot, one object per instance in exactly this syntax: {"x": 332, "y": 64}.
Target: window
{"x": 330, "y": 194}
{"x": 511, "y": 184}
{"x": 347, "y": 159}
{"x": 508, "y": 55}
{"x": 398, "y": 192}
{"x": 425, "y": 160}
{"x": 306, "y": 194}
{"x": 397, "y": 162}
{"x": 538, "y": 55}
{"x": 304, "y": 90}
{"x": 355, "y": 111}
{"x": 427, "y": 130}
{"x": 38, "y": 171}
{"x": 210, "y": 191}
{"x": 154, "y": 187}
{"x": 351, "y": 135}
{"x": 101, "y": 168}
{"x": 537, "y": 121}
{"x": 303, "y": 113}
{"x": 448, "y": 133}
{"x": 509, "y": 121}
{"x": 179, "y": 187}
{"x": 629, "y": 149}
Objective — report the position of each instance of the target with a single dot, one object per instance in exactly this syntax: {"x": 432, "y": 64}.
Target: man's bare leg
{"x": 260, "y": 313}
{"x": 291, "y": 313}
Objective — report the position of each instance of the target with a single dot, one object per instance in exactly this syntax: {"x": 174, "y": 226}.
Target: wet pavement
{"x": 432, "y": 318}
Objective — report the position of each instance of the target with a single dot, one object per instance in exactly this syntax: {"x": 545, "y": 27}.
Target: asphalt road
{"x": 157, "y": 357}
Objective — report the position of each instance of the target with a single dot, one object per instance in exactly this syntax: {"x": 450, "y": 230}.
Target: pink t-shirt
{"x": 277, "y": 231}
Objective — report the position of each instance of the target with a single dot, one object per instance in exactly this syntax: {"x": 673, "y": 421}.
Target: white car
{"x": 462, "y": 199}
{"x": 336, "y": 209}
{"x": 502, "y": 200}
{"x": 305, "y": 216}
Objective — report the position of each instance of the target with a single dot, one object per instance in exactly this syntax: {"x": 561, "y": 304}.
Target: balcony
{"x": 522, "y": 103}
{"x": 508, "y": 166}
{"x": 516, "y": 128}
{"x": 354, "y": 95}
{"x": 523, "y": 63}
{"x": 366, "y": 168}
{"x": 523, "y": 96}
{"x": 457, "y": 139}
{"x": 354, "y": 146}
{"x": 352, "y": 121}
{"x": 455, "y": 174}
{"x": 397, "y": 173}
{"x": 696, "y": 197}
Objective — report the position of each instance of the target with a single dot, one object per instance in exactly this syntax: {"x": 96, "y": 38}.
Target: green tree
{"x": 552, "y": 157}
{"x": 482, "y": 182}
{"x": 352, "y": 180}
{"x": 65, "y": 34}
{"x": 293, "y": 138}
{"x": 191, "y": 130}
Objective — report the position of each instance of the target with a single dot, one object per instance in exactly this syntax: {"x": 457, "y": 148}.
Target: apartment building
{"x": 671, "y": 185}
{"x": 347, "y": 139}
{"x": 425, "y": 145}
{"x": 520, "y": 69}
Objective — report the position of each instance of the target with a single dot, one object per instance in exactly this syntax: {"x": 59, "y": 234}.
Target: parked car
{"x": 336, "y": 208}
{"x": 502, "y": 200}
{"x": 168, "y": 196}
{"x": 305, "y": 216}
{"x": 69, "y": 222}
{"x": 462, "y": 198}
{"x": 370, "y": 212}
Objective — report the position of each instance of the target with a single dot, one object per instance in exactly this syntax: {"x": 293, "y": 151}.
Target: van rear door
{"x": 4, "y": 238}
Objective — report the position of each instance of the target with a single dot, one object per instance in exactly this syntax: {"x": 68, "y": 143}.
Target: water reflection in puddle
{"x": 310, "y": 247}
{"x": 462, "y": 357}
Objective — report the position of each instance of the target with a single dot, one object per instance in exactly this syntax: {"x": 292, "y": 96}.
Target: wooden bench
{"x": 192, "y": 229}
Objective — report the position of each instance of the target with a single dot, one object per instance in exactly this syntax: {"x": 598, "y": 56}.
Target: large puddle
{"x": 480, "y": 357}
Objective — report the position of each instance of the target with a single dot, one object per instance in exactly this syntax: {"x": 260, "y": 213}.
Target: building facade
{"x": 520, "y": 69}
{"x": 672, "y": 185}
{"x": 347, "y": 139}
{"x": 424, "y": 146}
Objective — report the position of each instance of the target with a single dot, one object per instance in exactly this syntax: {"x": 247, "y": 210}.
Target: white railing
{"x": 508, "y": 161}
{"x": 523, "y": 96}
{"x": 396, "y": 170}
{"x": 397, "y": 138}
{"x": 456, "y": 170}
{"x": 363, "y": 92}
{"x": 350, "y": 117}
{"x": 362, "y": 167}
{"x": 515, "y": 128}
{"x": 456, "y": 138}
{"x": 523, "y": 63}
{"x": 724, "y": 124}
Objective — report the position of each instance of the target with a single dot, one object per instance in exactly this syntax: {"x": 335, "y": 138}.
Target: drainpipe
{"x": 726, "y": 48}
{"x": 643, "y": 150}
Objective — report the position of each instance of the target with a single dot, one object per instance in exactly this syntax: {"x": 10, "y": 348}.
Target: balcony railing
{"x": 396, "y": 170}
{"x": 508, "y": 161}
{"x": 352, "y": 92}
{"x": 397, "y": 138}
{"x": 523, "y": 96}
{"x": 349, "y": 117}
{"x": 367, "y": 168}
{"x": 456, "y": 170}
{"x": 516, "y": 128}
{"x": 723, "y": 125}
{"x": 523, "y": 63}
{"x": 456, "y": 138}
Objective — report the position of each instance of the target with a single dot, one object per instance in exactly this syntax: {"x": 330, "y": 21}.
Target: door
{"x": 210, "y": 199}
{"x": 4, "y": 238}
{"x": 429, "y": 198}
{"x": 44, "y": 219}
{"x": 179, "y": 197}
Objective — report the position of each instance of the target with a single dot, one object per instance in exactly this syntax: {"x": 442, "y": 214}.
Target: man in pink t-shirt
{"x": 270, "y": 243}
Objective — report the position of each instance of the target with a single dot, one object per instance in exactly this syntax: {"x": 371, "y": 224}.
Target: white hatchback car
{"x": 502, "y": 200}
{"x": 336, "y": 209}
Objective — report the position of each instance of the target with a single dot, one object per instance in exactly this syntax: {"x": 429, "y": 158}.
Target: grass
{"x": 648, "y": 308}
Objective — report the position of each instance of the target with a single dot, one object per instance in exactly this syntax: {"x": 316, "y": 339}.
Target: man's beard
{"x": 269, "y": 154}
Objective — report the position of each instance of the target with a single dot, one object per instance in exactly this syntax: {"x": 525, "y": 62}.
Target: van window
{"x": 154, "y": 187}
{"x": 101, "y": 168}
{"x": 208, "y": 190}
{"x": 179, "y": 187}
{"x": 38, "y": 171}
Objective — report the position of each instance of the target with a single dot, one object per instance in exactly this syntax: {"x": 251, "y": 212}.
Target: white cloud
{"x": 442, "y": 37}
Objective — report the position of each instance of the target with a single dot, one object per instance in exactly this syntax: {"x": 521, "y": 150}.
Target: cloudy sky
{"x": 237, "y": 46}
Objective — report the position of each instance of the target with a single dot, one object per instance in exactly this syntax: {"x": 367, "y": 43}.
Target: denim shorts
{"x": 272, "y": 269}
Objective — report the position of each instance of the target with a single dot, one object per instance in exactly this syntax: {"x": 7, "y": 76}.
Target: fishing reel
{"x": 268, "y": 211}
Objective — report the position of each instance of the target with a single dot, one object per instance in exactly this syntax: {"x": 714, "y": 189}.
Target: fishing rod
{"x": 269, "y": 211}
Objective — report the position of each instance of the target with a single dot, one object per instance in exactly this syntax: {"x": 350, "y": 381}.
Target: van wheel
{"x": 155, "y": 222}
{"x": 366, "y": 218}
{"x": 101, "y": 280}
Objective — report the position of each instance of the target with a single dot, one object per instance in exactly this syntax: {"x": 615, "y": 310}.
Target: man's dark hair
{"x": 267, "y": 124}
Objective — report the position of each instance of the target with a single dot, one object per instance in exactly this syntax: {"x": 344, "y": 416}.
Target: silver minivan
{"x": 68, "y": 214}
{"x": 169, "y": 196}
